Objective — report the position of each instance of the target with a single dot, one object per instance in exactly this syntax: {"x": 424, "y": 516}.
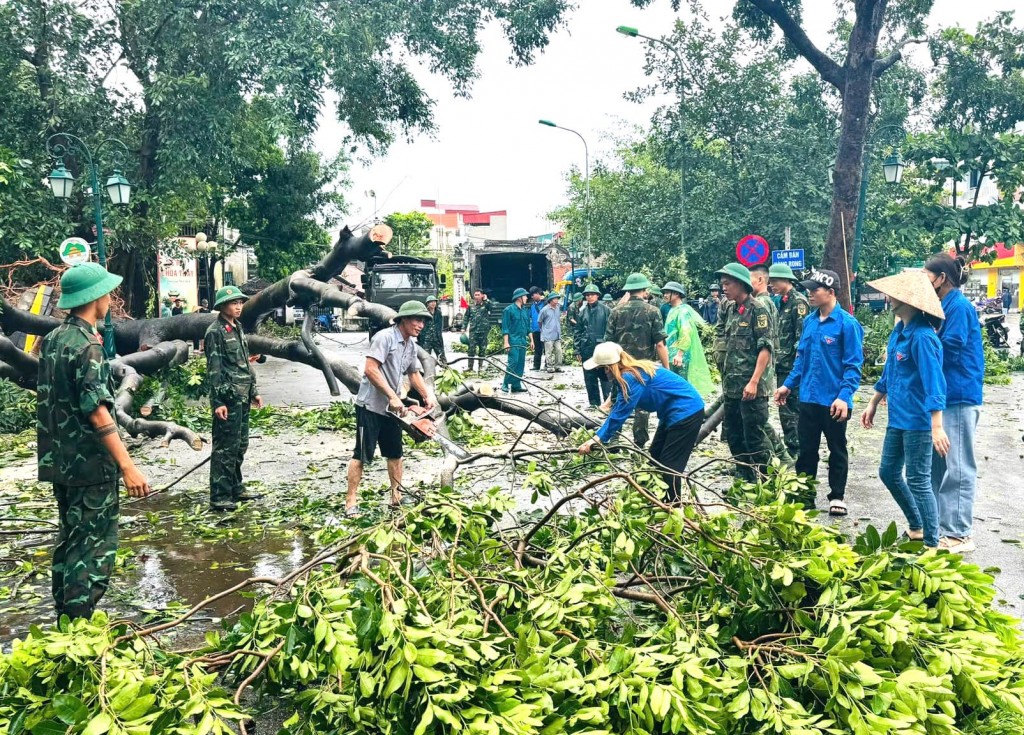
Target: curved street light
{"x": 586, "y": 163}
{"x": 634, "y": 33}
{"x": 62, "y": 183}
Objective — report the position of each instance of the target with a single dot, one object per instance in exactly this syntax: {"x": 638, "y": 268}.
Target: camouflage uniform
{"x": 741, "y": 333}
{"x": 478, "y": 329}
{"x": 232, "y": 384}
{"x": 793, "y": 309}
{"x": 638, "y": 328}
{"x": 75, "y": 380}
{"x": 431, "y": 339}
{"x": 775, "y": 443}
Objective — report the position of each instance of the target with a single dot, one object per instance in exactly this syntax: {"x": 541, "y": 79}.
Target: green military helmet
{"x": 636, "y": 282}
{"x": 655, "y": 290}
{"x": 577, "y": 297}
{"x": 591, "y": 288}
{"x": 430, "y": 298}
{"x": 674, "y": 286}
{"x": 737, "y": 272}
{"x": 606, "y": 297}
{"x": 551, "y": 296}
{"x": 228, "y": 293}
{"x": 412, "y": 309}
{"x": 85, "y": 282}
{"x": 781, "y": 270}
{"x": 464, "y": 339}
{"x": 519, "y": 293}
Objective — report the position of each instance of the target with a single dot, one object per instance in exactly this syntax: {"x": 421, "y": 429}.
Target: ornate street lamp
{"x": 893, "y": 168}
{"x": 118, "y": 189}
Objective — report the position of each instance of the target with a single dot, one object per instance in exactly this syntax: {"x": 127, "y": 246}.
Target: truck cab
{"x": 398, "y": 279}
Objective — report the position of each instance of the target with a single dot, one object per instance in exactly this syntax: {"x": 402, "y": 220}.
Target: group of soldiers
{"x": 80, "y": 449}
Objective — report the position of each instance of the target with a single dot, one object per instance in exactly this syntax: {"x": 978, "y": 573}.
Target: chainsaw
{"x": 421, "y": 425}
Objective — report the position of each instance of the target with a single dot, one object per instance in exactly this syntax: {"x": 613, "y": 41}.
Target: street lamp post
{"x": 118, "y": 189}
{"x": 634, "y": 33}
{"x": 586, "y": 165}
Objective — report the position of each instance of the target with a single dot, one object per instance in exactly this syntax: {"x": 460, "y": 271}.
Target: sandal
{"x": 353, "y": 511}
{"x": 837, "y": 508}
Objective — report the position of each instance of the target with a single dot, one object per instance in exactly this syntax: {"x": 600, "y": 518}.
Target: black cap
{"x": 821, "y": 278}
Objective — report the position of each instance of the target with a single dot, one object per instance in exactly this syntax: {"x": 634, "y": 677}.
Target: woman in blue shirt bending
{"x": 955, "y": 476}
{"x": 915, "y": 389}
{"x": 647, "y": 386}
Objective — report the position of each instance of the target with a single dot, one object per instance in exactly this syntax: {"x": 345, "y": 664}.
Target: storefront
{"x": 990, "y": 279}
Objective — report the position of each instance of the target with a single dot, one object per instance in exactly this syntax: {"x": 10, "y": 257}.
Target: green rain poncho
{"x": 682, "y": 326}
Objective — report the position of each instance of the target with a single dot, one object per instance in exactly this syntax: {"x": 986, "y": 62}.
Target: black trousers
{"x": 672, "y": 447}
{"x": 538, "y": 350}
{"x": 814, "y": 421}
{"x": 598, "y": 385}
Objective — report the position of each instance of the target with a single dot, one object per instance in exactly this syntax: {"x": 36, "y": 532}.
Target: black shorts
{"x": 373, "y": 430}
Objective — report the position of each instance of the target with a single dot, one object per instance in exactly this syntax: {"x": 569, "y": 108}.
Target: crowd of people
{"x": 786, "y": 340}
{"x": 776, "y": 336}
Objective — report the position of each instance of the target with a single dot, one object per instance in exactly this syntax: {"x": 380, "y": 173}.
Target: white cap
{"x": 606, "y": 353}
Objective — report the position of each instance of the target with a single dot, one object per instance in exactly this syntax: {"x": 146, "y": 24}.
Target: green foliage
{"x": 17, "y": 408}
{"x": 745, "y": 621}
{"x": 753, "y": 150}
{"x": 465, "y": 431}
{"x": 411, "y": 233}
{"x": 877, "y": 328}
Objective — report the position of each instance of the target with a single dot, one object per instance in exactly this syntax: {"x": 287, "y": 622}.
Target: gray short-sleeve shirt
{"x": 397, "y": 358}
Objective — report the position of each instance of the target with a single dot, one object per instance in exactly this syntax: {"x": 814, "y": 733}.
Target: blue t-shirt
{"x": 535, "y": 307}
{"x": 912, "y": 378}
{"x": 829, "y": 358}
{"x": 963, "y": 355}
{"x": 664, "y": 393}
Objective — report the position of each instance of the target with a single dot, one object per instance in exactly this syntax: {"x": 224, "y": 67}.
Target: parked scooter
{"x": 990, "y": 314}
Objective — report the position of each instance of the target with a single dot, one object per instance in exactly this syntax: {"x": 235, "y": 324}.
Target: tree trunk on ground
{"x": 148, "y": 345}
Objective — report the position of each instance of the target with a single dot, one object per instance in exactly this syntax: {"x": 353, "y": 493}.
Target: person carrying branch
{"x": 80, "y": 449}
{"x": 233, "y": 390}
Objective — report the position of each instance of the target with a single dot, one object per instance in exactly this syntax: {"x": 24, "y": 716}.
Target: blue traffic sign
{"x": 793, "y": 258}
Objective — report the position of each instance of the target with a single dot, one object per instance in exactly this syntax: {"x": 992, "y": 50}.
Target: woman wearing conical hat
{"x": 914, "y": 387}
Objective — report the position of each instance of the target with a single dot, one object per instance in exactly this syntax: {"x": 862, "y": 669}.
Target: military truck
{"x": 400, "y": 278}
{"x": 499, "y": 268}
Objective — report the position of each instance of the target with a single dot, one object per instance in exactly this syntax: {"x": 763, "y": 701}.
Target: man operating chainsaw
{"x": 392, "y": 355}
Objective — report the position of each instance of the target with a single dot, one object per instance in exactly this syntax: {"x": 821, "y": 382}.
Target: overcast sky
{"x": 490, "y": 151}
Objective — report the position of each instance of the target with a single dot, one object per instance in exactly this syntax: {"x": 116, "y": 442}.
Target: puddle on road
{"x": 169, "y": 570}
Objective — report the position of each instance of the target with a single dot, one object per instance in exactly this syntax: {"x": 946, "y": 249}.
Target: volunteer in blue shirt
{"x": 647, "y": 386}
{"x": 536, "y": 305}
{"x": 915, "y": 389}
{"x": 515, "y": 335}
{"x": 827, "y": 371}
{"x": 955, "y": 476}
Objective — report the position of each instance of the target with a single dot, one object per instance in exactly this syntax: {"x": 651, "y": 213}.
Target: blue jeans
{"x": 911, "y": 450}
{"x": 515, "y": 368}
{"x": 955, "y": 476}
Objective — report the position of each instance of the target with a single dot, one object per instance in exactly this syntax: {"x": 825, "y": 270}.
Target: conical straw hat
{"x": 913, "y": 288}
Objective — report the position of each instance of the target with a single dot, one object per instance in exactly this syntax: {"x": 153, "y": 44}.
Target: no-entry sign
{"x": 752, "y": 250}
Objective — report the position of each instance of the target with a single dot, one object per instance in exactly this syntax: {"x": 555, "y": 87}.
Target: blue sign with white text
{"x": 793, "y": 258}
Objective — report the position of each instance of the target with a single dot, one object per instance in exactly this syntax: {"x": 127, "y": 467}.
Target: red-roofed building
{"x": 455, "y": 224}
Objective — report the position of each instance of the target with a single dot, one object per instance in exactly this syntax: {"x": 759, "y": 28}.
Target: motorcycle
{"x": 990, "y": 314}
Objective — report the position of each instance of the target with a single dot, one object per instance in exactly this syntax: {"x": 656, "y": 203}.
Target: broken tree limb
{"x": 26, "y": 365}
{"x": 129, "y": 372}
{"x": 317, "y": 355}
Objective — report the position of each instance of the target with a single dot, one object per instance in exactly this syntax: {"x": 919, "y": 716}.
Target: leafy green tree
{"x": 276, "y": 209}
{"x": 198, "y": 70}
{"x": 755, "y": 152}
{"x": 412, "y": 232}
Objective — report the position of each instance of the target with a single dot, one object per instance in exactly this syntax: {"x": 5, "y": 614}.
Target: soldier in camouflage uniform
{"x": 232, "y": 391}
{"x": 638, "y": 328}
{"x": 478, "y": 327}
{"x": 793, "y": 309}
{"x": 80, "y": 449}
{"x": 431, "y": 339}
{"x": 759, "y": 280}
{"x": 745, "y": 340}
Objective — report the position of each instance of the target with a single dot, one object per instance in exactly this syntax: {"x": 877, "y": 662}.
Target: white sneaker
{"x": 957, "y": 545}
